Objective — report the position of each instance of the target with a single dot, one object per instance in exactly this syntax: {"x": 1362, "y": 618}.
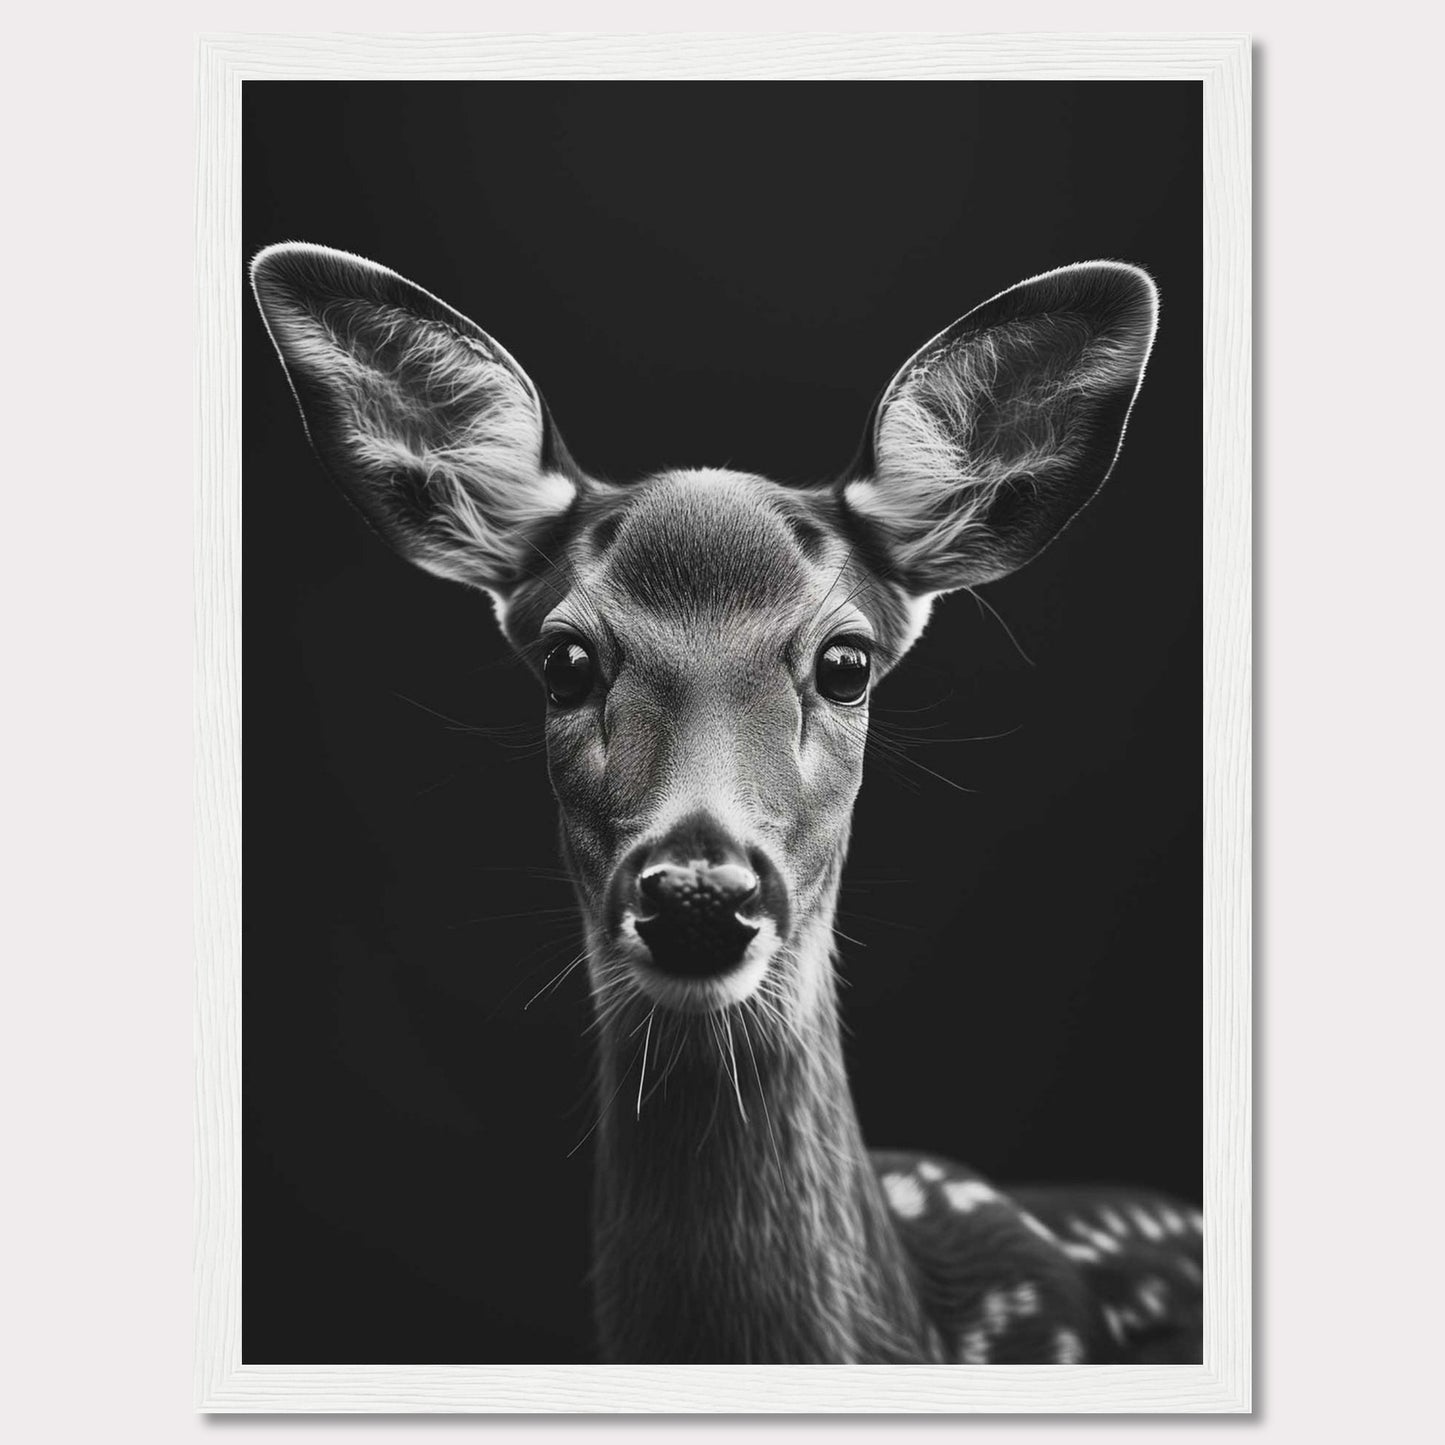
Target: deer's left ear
{"x": 431, "y": 428}
{"x": 995, "y": 434}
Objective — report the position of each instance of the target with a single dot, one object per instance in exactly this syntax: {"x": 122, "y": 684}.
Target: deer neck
{"x": 722, "y": 1238}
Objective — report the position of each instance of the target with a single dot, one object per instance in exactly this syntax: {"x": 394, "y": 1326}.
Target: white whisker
{"x": 732, "y": 1054}
{"x": 642, "y": 1076}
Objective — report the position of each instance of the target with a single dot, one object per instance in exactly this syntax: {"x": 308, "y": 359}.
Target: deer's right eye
{"x": 569, "y": 673}
{"x": 842, "y": 673}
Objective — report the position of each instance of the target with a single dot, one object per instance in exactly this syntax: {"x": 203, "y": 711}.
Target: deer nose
{"x": 703, "y": 887}
{"x": 694, "y": 928}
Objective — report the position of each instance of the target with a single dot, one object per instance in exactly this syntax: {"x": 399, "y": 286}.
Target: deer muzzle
{"x": 698, "y": 899}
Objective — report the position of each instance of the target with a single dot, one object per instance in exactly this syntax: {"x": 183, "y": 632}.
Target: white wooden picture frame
{"x": 223, "y": 1382}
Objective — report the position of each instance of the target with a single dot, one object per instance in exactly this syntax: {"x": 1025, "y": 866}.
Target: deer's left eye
{"x": 843, "y": 672}
{"x": 569, "y": 673}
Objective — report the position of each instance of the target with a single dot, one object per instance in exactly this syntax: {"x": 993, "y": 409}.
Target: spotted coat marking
{"x": 905, "y": 1194}
{"x": 1068, "y": 1348}
{"x": 1046, "y": 1276}
{"x": 965, "y": 1195}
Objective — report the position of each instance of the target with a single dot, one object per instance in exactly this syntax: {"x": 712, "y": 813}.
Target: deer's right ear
{"x": 434, "y": 432}
{"x": 992, "y": 437}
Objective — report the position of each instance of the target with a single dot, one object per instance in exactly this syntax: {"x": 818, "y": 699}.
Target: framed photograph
{"x": 738, "y": 549}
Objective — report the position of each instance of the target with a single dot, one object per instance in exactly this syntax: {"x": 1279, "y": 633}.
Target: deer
{"x": 708, "y": 641}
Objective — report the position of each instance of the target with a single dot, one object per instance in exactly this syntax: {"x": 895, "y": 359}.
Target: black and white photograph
{"x": 722, "y": 574}
{"x": 720, "y": 732}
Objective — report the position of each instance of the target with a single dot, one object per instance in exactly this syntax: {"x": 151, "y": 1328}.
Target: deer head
{"x": 708, "y": 641}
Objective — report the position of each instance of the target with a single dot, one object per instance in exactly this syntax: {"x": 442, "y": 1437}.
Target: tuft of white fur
{"x": 414, "y": 398}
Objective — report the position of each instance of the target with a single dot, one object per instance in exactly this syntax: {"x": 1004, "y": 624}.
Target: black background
{"x": 708, "y": 274}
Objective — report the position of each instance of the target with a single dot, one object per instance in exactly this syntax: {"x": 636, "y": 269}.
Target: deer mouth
{"x": 696, "y": 944}
{"x": 699, "y": 971}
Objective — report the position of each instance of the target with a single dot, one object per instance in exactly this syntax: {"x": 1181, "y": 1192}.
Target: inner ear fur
{"x": 433, "y": 431}
{"x": 994, "y": 435}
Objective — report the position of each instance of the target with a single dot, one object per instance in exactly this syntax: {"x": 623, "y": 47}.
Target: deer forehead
{"x": 691, "y": 569}
{"x": 704, "y": 544}
{"x": 759, "y": 571}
